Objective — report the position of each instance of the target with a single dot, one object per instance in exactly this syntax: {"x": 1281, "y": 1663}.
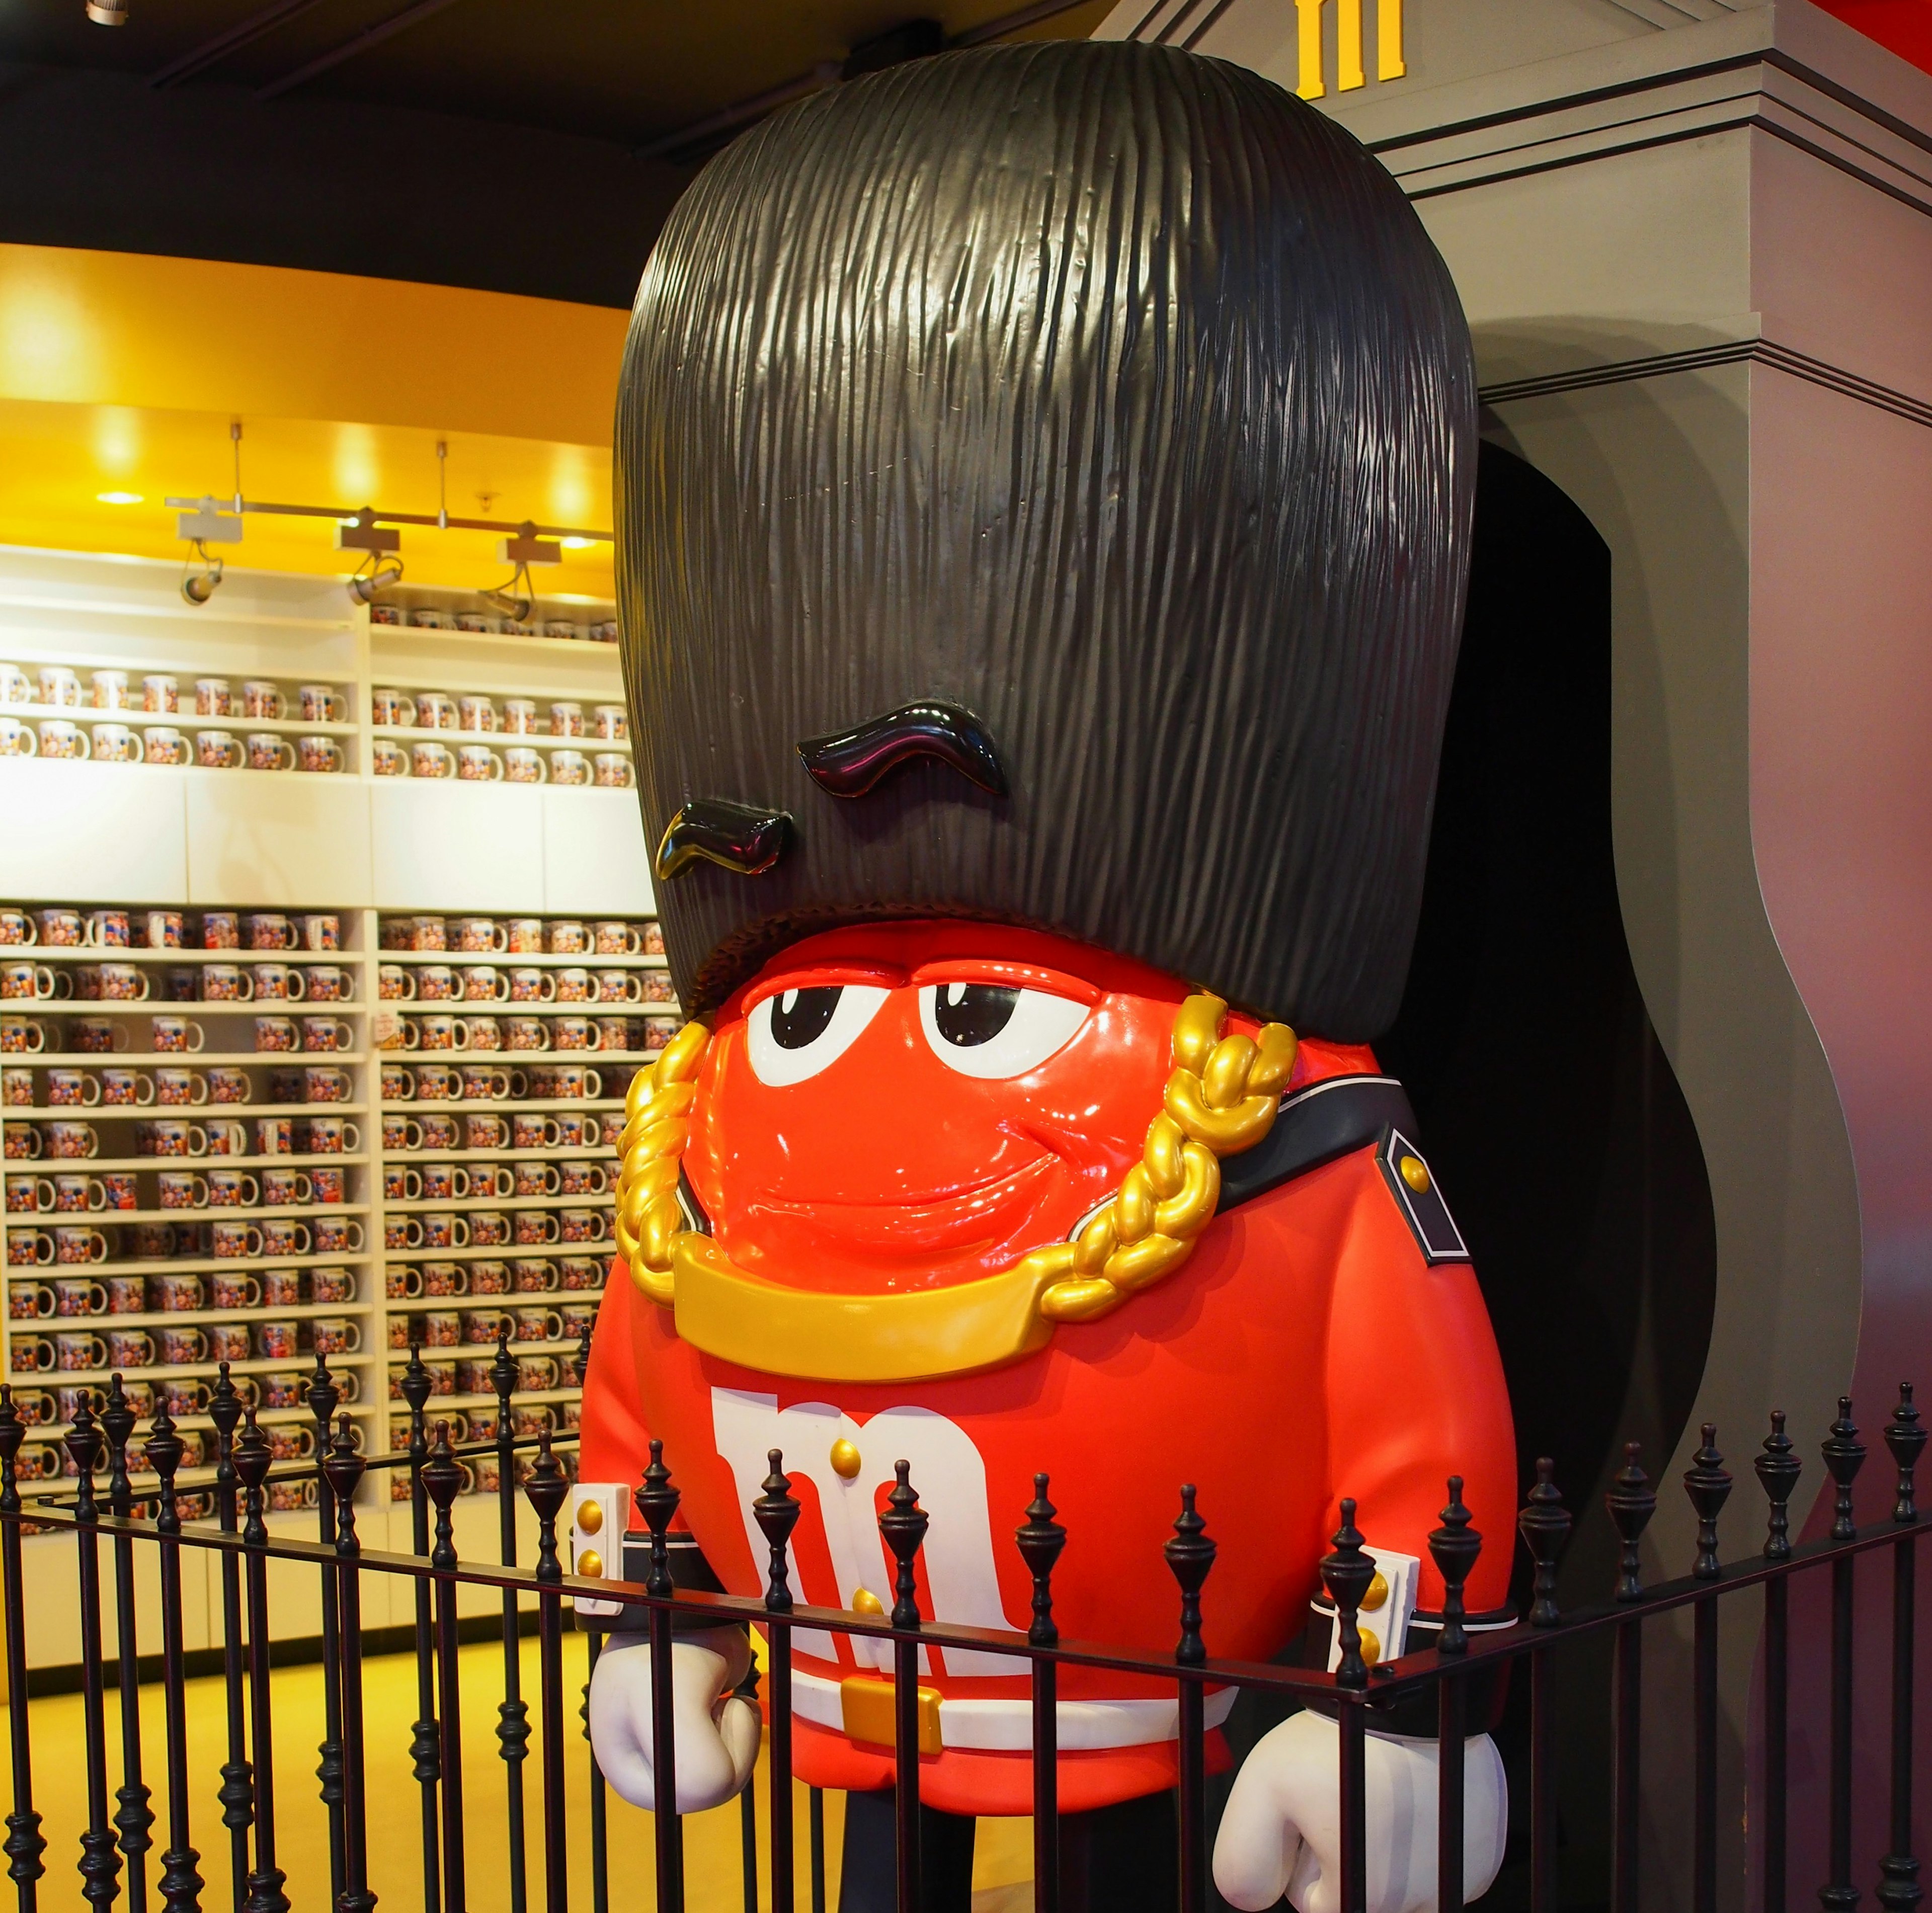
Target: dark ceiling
{"x": 526, "y": 145}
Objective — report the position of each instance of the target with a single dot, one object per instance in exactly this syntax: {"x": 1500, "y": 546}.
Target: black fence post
{"x": 1709, "y": 1487}
{"x": 657, "y": 1501}
{"x": 1544, "y": 1524}
{"x": 180, "y": 1878}
{"x": 1778, "y": 1470}
{"x": 1899, "y": 1890}
{"x": 903, "y": 1524}
{"x": 443, "y": 1480}
{"x": 100, "y": 1863}
{"x": 237, "y": 1793}
{"x": 133, "y": 1817}
{"x": 548, "y": 1489}
{"x": 777, "y": 1511}
{"x": 600, "y": 1868}
{"x": 1347, "y": 1574}
{"x": 1455, "y": 1548}
{"x": 513, "y": 1716}
{"x": 323, "y": 1396}
{"x": 253, "y": 1460}
{"x": 343, "y": 1467}
{"x": 1631, "y": 1502}
{"x": 1040, "y": 1539}
{"x": 1844, "y": 1455}
{"x": 25, "y": 1843}
{"x": 425, "y": 1736}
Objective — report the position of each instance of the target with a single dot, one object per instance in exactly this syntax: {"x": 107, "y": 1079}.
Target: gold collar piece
{"x": 1222, "y": 1095}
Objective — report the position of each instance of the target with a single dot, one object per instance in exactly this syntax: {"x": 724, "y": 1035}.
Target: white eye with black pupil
{"x": 790, "y": 1037}
{"x": 993, "y": 1030}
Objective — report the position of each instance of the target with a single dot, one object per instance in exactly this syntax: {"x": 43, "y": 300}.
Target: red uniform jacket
{"x": 1308, "y": 1350}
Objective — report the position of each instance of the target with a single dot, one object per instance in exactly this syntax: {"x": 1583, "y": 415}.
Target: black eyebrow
{"x": 739, "y": 837}
{"x": 848, "y": 763}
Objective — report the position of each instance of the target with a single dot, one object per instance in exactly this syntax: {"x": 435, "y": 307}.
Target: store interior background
{"x": 394, "y": 245}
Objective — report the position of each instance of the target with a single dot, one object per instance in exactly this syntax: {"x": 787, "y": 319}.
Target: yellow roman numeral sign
{"x": 1349, "y": 72}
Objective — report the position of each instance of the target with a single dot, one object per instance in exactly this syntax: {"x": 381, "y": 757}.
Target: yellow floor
{"x": 1001, "y": 1874}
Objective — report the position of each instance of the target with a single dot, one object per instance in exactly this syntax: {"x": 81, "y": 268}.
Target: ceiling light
{"x": 578, "y": 543}
{"x": 198, "y": 587}
{"x": 106, "y": 13}
{"x": 117, "y": 498}
{"x": 373, "y": 575}
{"x": 206, "y": 526}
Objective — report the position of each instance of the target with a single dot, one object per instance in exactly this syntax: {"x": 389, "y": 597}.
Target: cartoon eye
{"x": 793, "y": 1034}
{"x": 992, "y": 1029}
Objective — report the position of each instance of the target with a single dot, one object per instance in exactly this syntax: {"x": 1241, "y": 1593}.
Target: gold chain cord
{"x": 1222, "y": 1095}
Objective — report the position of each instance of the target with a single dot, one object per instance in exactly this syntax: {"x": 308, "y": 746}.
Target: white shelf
{"x": 499, "y": 739}
{"x": 504, "y": 960}
{"x": 86, "y": 714}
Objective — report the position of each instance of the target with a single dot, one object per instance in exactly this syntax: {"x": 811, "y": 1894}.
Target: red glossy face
{"x": 911, "y": 1105}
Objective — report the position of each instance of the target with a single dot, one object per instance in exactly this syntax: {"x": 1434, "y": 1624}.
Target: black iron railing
{"x": 118, "y": 1837}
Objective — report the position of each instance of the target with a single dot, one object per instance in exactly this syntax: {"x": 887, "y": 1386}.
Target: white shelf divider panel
{"x": 94, "y": 830}
{"x": 596, "y": 860}
{"x": 275, "y": 839}
{"x": 454, "y": 847}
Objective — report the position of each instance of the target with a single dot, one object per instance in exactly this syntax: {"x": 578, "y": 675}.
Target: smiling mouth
{"x": 972, "y": 1216}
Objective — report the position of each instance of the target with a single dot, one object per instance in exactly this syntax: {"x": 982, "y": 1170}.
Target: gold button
{"x": 1372, "y": 1646}
{"x": 1378, "y": 1593}
{"x": 1415, "y": 1173}
{"x": 866, "y": 1602}
{"x": 590, "y": 1563}
{"x": 844, "y": 1460}
{"x": 589, "y": 1517}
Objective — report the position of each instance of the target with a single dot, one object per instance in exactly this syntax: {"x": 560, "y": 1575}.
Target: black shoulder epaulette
{"x": 1328, "y": 1120}
{"x": 1413, "y": 1187}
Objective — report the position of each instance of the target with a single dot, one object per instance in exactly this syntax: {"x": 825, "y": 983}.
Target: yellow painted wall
{"x": 121, "y": 372}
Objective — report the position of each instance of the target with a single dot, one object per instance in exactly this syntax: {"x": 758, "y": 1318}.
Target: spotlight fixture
{"x": 117, "y": 498}
{"x": 372, "y": 575}
{"x": 198, "y": 587}
{"x": 515, "y": 597}
{"x": 106, "y": 12}
{"x": 205, "y": 525}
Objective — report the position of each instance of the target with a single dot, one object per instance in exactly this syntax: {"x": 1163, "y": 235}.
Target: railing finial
{"x": 903, "y": 1524}
{"x": 1708, "y": 1486}
{"x": 1905, "y": 1436}
{"x": 1844, "y": 1455}
{"x": 1040, "y": 1541}
{"x": 1544, "y": 1524}
{"x": 1455, "y": 1548}
{"x": 776, "y": 1511}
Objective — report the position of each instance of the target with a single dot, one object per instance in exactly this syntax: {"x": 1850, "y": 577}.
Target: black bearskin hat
{"x": 1044, "y": 482}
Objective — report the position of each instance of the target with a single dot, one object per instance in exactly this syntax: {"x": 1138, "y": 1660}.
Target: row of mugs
{"x": 88, "y": 1349}
{"x": 289, "y": 1035}
{"x": 97, "y": 1035}
{"x": 124, "y": 1089}
{"x": 50, "y": 1460}
{"x": 475, "y": 1082}
{"x": 62, "y": 741}
{"x": 451, "y": 1182}
{"x": 66, "y": 927}
{"x": 176, "y": 1294}
{"x": 484, "y": 982}
{"x": 471, "y": 1376}
{"x": 171, "y": 1136}
{"x": 226, "y": 1238}
{"x": 478, "y": 764}
{"x": 24, "y": 980}
{"x": 527, "y": 1128}
{"x": 522, "y": 936}
{"x": 274, "y": 1186}
{"x": 405, "y": 1281}
{"x": 526, "y": 1419}
{"x": 491, "y": 1228}
{"x": 445, "y": 1328}
{"x": 159, "y": 694}
{"x": 622, "y": 1033}
{"x": 431, "y": 617}
{"x": 520, "y": 717}
{"x": 181, "y": 1395}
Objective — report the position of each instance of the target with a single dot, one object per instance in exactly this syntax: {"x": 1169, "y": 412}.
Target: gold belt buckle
{"x": 866, "y": 1711}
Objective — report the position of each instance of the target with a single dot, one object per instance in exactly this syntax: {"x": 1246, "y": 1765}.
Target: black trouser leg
{"x": 868, "y": 1875}
{"x": 1121, "y": 1859}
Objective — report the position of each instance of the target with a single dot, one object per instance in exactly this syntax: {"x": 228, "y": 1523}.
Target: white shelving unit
{"x": 361, "y": 847}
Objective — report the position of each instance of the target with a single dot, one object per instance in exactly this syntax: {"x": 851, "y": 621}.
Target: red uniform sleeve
{"x": 1415, "y": 1395}
{"x": 616, "y": 1444}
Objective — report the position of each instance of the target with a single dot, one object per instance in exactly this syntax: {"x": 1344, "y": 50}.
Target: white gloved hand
{"x": 1281, "y": 1832}
{"x": 716, "y": 1732}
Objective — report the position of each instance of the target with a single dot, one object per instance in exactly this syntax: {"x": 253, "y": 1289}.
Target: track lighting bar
{"x": 369, "y": 514}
